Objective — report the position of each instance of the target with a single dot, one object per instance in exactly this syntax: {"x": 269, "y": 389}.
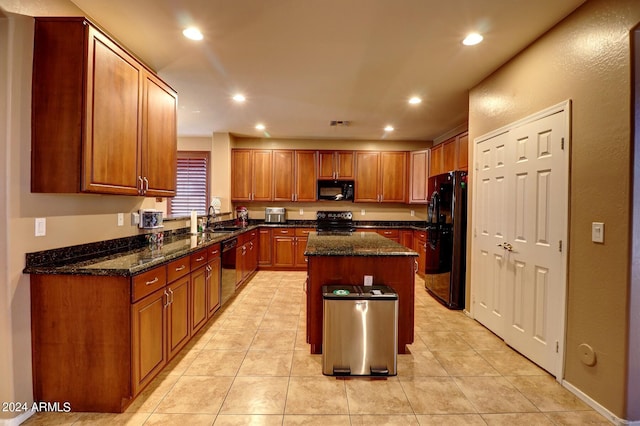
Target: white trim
{"x": 18, "y": 420}
{"x": 564, "y": 106}
{"x": 597, "y": 407}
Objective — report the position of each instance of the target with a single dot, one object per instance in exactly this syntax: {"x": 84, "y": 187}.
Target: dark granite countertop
{"x": 356, "y": 244}
{"x": 133, "y": 255}
{"x": 129, "y": 261}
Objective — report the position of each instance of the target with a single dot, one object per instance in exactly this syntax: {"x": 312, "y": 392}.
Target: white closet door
{"x": 490, "y": 222}
{"x": 520, "y": 226}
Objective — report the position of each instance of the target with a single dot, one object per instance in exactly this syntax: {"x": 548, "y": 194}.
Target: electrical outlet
{"x": 41, "y": 227}
{"x": 413, "y": 212}
{"x": 368, "y": 280}
{"x": 362, "y": 212}
{"x": 120, "y": 219}
{"x": 301, "y": 212}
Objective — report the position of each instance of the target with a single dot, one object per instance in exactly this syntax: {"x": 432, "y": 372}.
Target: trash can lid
{"x": 358, "y": 292}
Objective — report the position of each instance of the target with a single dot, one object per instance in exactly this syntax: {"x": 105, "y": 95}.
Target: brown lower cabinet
{"x": 420, "y": 246}
{"x": 99, "y": 340}
{"x": 288, "y": 248}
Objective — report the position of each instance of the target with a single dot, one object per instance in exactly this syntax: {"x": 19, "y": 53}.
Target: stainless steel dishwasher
{"x": 360, "y": 330}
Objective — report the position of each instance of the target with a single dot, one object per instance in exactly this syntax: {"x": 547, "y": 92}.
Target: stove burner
{"x": 334, "y": 222}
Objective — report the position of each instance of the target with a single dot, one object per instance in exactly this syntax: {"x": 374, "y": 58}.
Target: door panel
{"x": 520, "y": 219}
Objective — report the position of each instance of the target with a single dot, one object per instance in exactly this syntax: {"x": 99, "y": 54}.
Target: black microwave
{"x": 335, "y": 190}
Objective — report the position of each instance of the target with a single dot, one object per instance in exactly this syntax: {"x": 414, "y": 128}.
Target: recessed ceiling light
{"x": 415, "y": 100}
{"x": 388, "y": 128}
{"x": 260, "y": 126}
{"x": 193, "y": 33}
{"x": 472, "y": 39}
{"x": 239, "y": 97}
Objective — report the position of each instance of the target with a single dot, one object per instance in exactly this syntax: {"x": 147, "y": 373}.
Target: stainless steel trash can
{"x": 359, "y": 330}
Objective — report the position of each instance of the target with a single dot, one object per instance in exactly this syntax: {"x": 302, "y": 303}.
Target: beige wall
{"x": 586, "y": 58}
{"x": 71, "y": 219}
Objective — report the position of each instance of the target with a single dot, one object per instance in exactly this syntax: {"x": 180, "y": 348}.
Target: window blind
{"x": 192, "y": 184}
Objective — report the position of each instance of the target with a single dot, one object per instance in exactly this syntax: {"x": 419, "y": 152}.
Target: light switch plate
{"x": 120, "y": 219}
{"x": 41, "y": 227}
{"x": 597, "y": 232}
{"x": 368, "y": 280}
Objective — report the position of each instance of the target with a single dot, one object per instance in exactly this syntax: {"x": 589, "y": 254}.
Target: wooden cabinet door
{"x": 178, "y": 331}
{"x": 336, "y": 165}
{"x": 463, "y": 151}
{"x": 112, "y": 127}
{"x": 159, "y": 138}
{"x": 345, "y": 165}
{"x": 305, "y": 179}
{"x": 420, "y": 246}
{"x": 262, "y": 175}
{"x": 367, "y": 176}
{"x": 283, "y": 175}
{"x": 149, "y": 338}
{"x": 241, "y": 262}
{"x": 213, "y": 285}
{"x": 449, "y": 155}
{"x": 436, "y": 166}
{"x": 326, "y": 165}
{"x": 406, "y": 238}
{"x": 264, "y": 247}
{"x": 300, "y": 246}
{"x": 283, "y": 247}
{"x": 393, "y": 177}
{"x": 418, "y": 175}
{"x": 253, "y": 255}
{"x": 198, "y": 304}
{"x": 241, "y": 175}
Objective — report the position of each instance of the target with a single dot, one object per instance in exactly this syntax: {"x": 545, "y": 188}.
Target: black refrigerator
{"x": 445, "y": 268}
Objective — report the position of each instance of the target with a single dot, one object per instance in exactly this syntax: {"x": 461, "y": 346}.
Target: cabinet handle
{"x": 282, "y": 231}
{"x": 166, "y": 304}
{"x": 415, "y": 266}
{"x": 180, "y": 268}
{"x": 171, "y": 292}
{"x": 141, "y": 188}
{"x": 153, "y": 281}
{"x": 214, "y": 252}
{"x": 208, "y": 269}
{"x": 200, "y": 259}
{"x": 146, "y": 184}
{"x": 387, "y": 232}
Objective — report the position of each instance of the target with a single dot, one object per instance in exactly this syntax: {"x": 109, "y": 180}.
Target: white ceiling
{"x": 303, "y": 63}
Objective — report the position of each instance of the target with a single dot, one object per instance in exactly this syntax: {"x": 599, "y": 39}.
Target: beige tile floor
{"x": 251, "y": 366}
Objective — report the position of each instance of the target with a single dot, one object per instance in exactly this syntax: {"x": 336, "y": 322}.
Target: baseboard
{"x": 599, "y": 408}
{"x": 18, "y": 420}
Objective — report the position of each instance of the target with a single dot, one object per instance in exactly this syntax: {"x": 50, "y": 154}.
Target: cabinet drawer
{"x": 178, "y": 268}
{"x": 278, "y": 232}
{"x": 148, "y": 282}
{"x": 304, "y": 232}
{"x": 198, "y": 259}
{"x": 213, "y": 251}
{"x": 389, "y": 233}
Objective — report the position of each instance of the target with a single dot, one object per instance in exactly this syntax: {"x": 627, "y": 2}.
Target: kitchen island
{"x": 346, "y": 259}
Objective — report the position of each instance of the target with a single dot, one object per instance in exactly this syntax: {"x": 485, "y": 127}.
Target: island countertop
{"x": 355, "y": 244}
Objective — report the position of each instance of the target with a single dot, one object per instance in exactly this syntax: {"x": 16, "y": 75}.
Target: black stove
{"x": 334, "y": 222}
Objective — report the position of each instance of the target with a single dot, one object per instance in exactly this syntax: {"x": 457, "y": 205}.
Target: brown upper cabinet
{"x": 101, "y": 121}
{"x": 450, "y": 155}
{"x": 418, "y": 174}
{"x": 251, "y": 174}
{"x": 381, "y": 176}
{"x": 334, "y": 165}
{"x": 294, "y": 175}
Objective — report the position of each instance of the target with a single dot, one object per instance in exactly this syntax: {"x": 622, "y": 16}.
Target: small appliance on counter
{"x": 150, "y": 219}
{"x": 275, "y": 215}
{"x": 242, "y": 216}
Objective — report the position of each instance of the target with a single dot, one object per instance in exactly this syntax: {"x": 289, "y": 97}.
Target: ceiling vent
{"x": 339, "y": 123}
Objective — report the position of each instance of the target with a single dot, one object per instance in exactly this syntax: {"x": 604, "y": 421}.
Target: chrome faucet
{"x": 211, "y": 217}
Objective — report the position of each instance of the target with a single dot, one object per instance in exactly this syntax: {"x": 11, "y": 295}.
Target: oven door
{"x": 228, "y": 269}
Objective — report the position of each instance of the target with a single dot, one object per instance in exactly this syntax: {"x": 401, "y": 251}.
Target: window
{"x": 192, "y": 187}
